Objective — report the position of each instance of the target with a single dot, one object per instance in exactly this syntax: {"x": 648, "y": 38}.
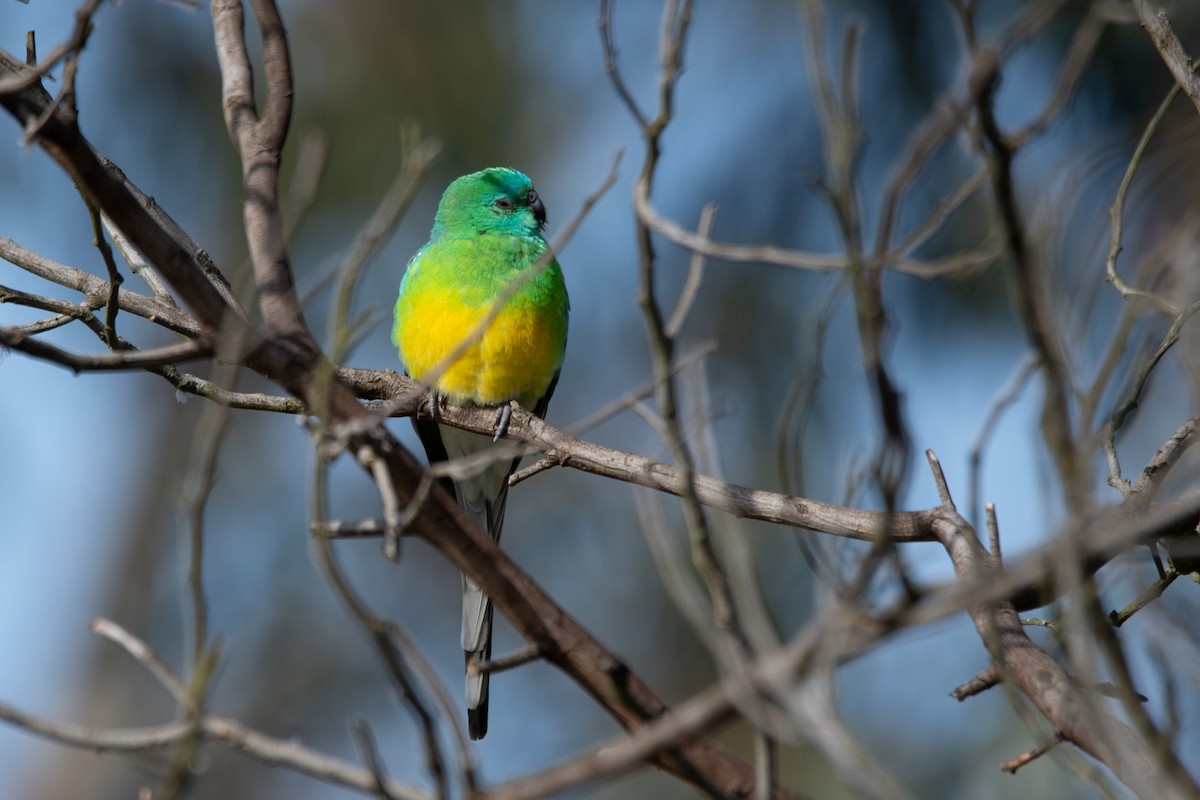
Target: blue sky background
{"x": 91, "y": 466}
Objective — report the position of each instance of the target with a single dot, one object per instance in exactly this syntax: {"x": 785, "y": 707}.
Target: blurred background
{"x": 91, "y": 467}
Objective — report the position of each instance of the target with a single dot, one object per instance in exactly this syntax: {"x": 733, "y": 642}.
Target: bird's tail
{"x": 477, "y": 647}
{"x": 484, "y": 497}
{"x": 477, "y": 624}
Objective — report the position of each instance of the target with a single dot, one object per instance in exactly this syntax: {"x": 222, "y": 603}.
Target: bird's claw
{"x": 435, "y": 403}
{"x": 503, "y": 417}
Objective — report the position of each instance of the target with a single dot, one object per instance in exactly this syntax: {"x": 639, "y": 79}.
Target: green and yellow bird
{"x": 486, "y": 250}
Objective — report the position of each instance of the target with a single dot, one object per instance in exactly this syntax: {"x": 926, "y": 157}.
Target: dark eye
{"x": 503, "y": 203}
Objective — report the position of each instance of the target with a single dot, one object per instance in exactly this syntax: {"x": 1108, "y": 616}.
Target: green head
{"x": 496, "y": 200}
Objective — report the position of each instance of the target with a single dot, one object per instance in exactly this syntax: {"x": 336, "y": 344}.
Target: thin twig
{"x": 365, "y": 741}
{"x": 1033, "y": 304}
{"x": 1117, "y": 211}
{"x": 73, "y": 45}
{"x": 1011, "y": 767}
{"x": 691, "y": 286}
{"x": 1125, "y": 411}
{"x": 993, "y": 529}
{"x": 1148, "y": 484}
{"x": 161, "y": 313}
{"x": 144, "y": 655}
{"x": 1004, "y": 399}
{"x": 287, "y": 753}
{"x": 419, "y": 156}
{"x": 1119, "y": 618}
{"x": 196, "y": 489}
{"x": 391, "y": 502}
{"x": 526, "y": 655}
{"x": 395, "y": 652}
{"x": 977, "y": 685}
{"x": 138, "y": 264}
{"x": 1079, "y": 54}
{"x": 312, "y": 156}
{"x": 114, "y": 276}
{"x": 939, "y": 480}
{"x": 121, "y": 360}
{"x": 605, "y": 25}
{"x": 673, "y": 33}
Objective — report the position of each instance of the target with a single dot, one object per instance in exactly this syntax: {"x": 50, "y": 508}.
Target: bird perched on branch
{"x": 482, "y": 320}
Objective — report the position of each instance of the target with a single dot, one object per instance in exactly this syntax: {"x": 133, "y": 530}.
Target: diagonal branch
{"x": 1183, "y": 69}
{"x": 60, "y": 137}
{"x": 1075, "y": 713}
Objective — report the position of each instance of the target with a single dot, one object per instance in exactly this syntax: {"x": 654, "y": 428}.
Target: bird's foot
{"x": 503, "y": 417}
{"x": 435, "y": 404}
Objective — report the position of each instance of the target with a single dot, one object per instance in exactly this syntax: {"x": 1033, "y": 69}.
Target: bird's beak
{"x": 539, "y": 210}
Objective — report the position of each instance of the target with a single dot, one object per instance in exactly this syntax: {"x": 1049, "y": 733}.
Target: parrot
{"x": 486, "y": 249}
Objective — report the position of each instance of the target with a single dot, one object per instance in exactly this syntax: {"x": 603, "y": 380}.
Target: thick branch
{"x": 1074, "y": 713}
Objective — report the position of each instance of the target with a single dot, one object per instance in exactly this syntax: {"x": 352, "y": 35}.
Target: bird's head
{"x": 495, "y": 200}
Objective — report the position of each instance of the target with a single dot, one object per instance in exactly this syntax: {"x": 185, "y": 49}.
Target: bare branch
{"x": 144, "y": 655}
{"x": 1083, "y": 45}
{"x": 1159, "y": 466}
{"x": 365, "y": 741}
{"x": 114, "y": 276}
{"x": 253, "y": 401}
{"x": 28, "y": 78}
{"x": 1029, "y": 756}
{"x": 1004, "y": 399}
{"x": 1154, "y": 20}
{"x": 259, "y": 141}
{"x": 977, "y": 685}
{"x": 677, "y": 18}
{"x": 771, "y": 691}
{"x": 755, "y": 254}
{"x": 1032, "y": 303}
{"x": 520, "y": 658}
{"x": 691, "y": 286}
{"x": 286, "y": 753}
{"x": 177, "y": 257}
{"x": 157, "y": 311}
{"x": 1055, "y": 694}
{"x": 419, "y": 155}
{"x": 1117, "y": 210}
{"x": 124, "y": 359}
{"x": 605, "y": 24}
{"x": 1144, "y": 599}
{"x": 1123, "y": 412}
{"x": 138, "y": 264}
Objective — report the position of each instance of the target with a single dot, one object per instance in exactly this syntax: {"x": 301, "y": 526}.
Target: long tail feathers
{"x": 477, "y": 647}
{"x": 483, "y": 497}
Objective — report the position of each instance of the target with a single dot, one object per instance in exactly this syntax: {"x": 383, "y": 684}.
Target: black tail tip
{"x": 477, "y": 722}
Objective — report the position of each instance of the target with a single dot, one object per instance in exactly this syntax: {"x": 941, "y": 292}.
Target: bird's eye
{"x": 503, "y": 203}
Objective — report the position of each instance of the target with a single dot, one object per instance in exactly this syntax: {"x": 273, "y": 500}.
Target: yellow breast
{"x": 514, "y": 358}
